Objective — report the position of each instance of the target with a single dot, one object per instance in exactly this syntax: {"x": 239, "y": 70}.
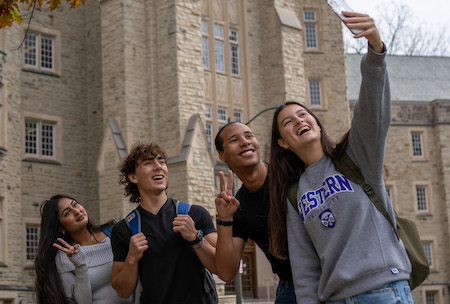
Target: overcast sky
{"x": 433, "y": 13}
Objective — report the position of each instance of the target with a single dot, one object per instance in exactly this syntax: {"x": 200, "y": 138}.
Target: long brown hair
{"x": 285, "y": 169}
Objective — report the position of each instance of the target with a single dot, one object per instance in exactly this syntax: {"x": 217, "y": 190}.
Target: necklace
{"x": 92, "y": 250}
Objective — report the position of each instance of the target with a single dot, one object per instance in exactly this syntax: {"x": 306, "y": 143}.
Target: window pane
{"x": 31, "y": 138}
{"x": 430, "y": 297}
{"x": 237, "y": 116}
{"x": 310, "y": 35}
{"x": 208, "y": 131}
{"x": 234, "y": 54}
{"x": 205, "y": 52}
{"x": 47, "y": 53}
{"x": 208, "y": 114}
{"x": 233, "y": 35}
{"x": 314, "y": 93}
{"x": 416, "y": 140}
{"x": 427, "y": 246}
{"x": 204, "y": 28}
{"x": 309, "y": 16}
{"x": 219, "y": 54}
{"x": 218, "y": 31}
{"x": 32, "y": 238}
{"x": 48, "y": 142}
{"x": 421, "y": 195}
{"x": 30, "y": 50}
{"x": 222, "y": 114}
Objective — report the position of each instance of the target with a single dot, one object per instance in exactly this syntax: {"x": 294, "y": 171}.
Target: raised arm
{"x": 77, "y": 284}
{"x": 229, "y": 249}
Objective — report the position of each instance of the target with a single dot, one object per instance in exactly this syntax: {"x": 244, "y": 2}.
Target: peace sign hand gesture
{"x": 226, "y": 203}
{"x": 67, "y": 249}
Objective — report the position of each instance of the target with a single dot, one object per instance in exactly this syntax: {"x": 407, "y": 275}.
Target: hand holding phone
{"x": 340, "y": 5}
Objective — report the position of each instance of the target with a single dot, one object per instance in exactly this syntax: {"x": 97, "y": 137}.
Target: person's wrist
{"x": 221, "y": 222}
{"x": 198, "y": 238}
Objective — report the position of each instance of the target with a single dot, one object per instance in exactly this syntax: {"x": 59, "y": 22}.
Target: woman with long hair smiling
{"x": 74, "y": 259}
{"x": 342, "y": 249}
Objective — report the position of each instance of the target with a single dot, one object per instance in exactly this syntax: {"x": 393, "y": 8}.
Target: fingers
{"x": 222, "y": 181}
{"x": 230, "y": 180}
{"x": 66, "y": 248}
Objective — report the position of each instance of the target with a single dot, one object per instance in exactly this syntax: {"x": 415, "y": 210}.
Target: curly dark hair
{"x": 139, "y": 152}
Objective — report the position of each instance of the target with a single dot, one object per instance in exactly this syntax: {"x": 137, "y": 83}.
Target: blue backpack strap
{"x": 133, "y": 220}
{"x": 107, "y": 231}
{"x": 182, "y": 207}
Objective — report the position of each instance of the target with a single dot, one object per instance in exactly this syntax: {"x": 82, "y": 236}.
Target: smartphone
{"x": 340, "y": 5}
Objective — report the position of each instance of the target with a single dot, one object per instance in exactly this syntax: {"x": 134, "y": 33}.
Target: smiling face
{"x": 240, "y": 146}
{"x": 72, "y": 215}
{"x": 151, "y": 175}
{"x": 298, "y": 129}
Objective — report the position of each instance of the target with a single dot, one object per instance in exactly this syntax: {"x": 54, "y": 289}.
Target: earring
{"x": 63, "y": 232}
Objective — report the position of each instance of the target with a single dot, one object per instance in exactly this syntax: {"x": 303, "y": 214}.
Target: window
{"x": 40, "y": 51}
{"x": 421, "y": 198}
{"x": 208, "y": 131}
{"x": 234, "y": 52}
{"x": 31, "y": 239}
{"x": 208, "y": 114}
{"x": 42, "y": 137}
{"x": 315, "y": 97}
{"x": 309, "y": 17}
{"x": 433, "y": 294}
{"x": 205, "y": 51}
{"x": 222, "y": 115}
{"x": 39, "y": 138}
{"x": 428, "y": 246}
{"x": 237, "y": 116}
{"x": 430, "y": 297}
{"x": 219, "y": 48}
{"x": 416, "y": 143}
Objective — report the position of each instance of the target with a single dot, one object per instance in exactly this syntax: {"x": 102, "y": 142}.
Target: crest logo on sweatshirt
{"x": 327, "y": 219}
{"x": 314, "y": 201}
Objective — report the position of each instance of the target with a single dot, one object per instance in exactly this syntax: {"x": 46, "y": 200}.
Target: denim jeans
{"x": 285, "y": 293}
{"x": 393, "y": 293}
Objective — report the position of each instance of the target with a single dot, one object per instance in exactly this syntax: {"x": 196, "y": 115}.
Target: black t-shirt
{"x": 250, "y": 221}
{"x": 170, "y": 271}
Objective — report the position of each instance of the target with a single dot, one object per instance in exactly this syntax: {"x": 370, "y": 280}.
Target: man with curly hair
{"x": 171, "y": 251}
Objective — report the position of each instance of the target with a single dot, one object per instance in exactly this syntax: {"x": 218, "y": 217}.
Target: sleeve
{"x": 372, "y": 117}
{"x": 239, "y": 221}
{"x": 120, "y": 241}
{"x": 305, "y": 263}
{"x": 77, "y": 284}
{"x": 202, "y": 219}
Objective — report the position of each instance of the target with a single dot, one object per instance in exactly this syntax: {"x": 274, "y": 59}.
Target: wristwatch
{"x": 198, "y": 239}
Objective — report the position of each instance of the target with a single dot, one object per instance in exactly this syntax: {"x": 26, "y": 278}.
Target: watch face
{"x": 200, "y": 234}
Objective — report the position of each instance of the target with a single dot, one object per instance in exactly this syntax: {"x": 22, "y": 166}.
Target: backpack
{"x": 133, "y": 220}
{"x": 406, "y": 230}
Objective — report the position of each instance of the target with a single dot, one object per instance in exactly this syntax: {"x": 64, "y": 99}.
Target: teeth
{"x": 247, "y": 152}
{"x": 303, "y": 130}
{"x": 157, "y": 177}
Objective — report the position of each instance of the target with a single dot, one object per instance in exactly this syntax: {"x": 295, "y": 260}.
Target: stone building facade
{"x": 89, "y": 82}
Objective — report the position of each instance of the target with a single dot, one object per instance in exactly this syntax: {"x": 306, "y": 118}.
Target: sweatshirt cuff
{"x": 375, "y": 59}
{"x": 78, "y": 259}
